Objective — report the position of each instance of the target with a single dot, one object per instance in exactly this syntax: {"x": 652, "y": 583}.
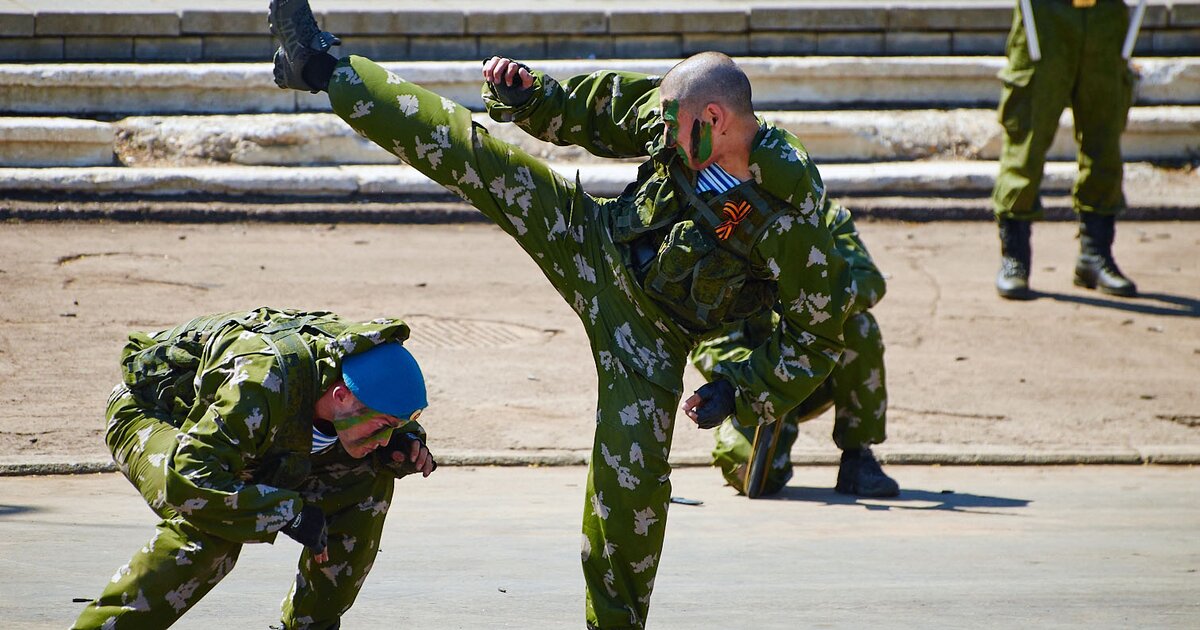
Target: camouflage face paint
{"x": 702, "y": 141}
{"x": 368, "y": 414}
{"x": 354, "y": 420}
{"x": 671, "y": 122}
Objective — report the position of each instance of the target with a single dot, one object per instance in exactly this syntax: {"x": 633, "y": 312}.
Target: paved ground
{"x": 986, "y": 547}
{"x": 1073, "y": 376}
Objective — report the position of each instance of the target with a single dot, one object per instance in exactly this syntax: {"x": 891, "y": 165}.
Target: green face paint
{"x": 701, "y": 136}
{"x": 352, "y": 421}
{"x": 367, "y": 414}
{"x": 702, "y": 141}
{"x": 671, "y": 121}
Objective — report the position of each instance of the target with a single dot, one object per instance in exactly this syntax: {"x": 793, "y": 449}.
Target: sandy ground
{"x": 508, "y": 364}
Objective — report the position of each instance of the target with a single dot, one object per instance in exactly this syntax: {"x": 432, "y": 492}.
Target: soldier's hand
{"x": 408, "y": 447}
{"x": 510, "y": 80}
{"x": 310, "y": 529}
{"x": 711, "y": 404}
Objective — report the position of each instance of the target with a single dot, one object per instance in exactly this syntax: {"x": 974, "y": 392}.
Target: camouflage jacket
{"x": 868, "y": 279}
{"x": 786, "y": 259}
{"x": 241, "y": 388}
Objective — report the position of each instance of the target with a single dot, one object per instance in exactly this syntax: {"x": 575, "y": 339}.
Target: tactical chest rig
{"x": 161, "y": 373}
{"x": 693, "y": 254}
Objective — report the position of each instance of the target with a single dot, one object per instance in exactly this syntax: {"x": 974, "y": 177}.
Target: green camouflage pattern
{"x": 235, "y": 465}
{"x": 856, "y": 388}
{"x": 581, "y": 244}
{"x": 1081, "y": 67}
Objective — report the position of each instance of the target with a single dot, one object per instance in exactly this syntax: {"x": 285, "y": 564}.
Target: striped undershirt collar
{"x": 321, "y": 441}
{"x": 714, "y": 179}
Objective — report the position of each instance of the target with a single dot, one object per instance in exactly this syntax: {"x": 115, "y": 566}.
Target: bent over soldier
{"x": 722, "y": 222}
{"x": 236, "y": 427}
{"x": 856, "y": 389}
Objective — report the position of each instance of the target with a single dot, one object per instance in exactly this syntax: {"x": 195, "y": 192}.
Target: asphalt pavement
{"x": 498, "y": 547}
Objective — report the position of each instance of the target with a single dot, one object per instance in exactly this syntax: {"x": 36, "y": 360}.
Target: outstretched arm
{"x": 608, "y": 113}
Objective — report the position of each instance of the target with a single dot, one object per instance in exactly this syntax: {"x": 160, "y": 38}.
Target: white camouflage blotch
{"x": 598, "y": 508}
{"x": 642, "y": 520}
{"x": 346, "y": 74}
{"x": 625, "y": 477}
{"x": 816, "y": 257}
{"x": 362, "y": 108}
{"x": 178, "y": 597}
{"x": 254, "y": 420}
{"x": 646, "y": 563}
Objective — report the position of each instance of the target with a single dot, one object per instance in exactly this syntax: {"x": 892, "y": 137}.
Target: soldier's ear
{"x": 717, "y": 116}
{"x": 342, "y": 394}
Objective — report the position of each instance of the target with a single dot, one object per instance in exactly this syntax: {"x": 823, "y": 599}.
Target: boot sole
{"x": 1023, "y": 295}
{"x": 1105, "y": 290}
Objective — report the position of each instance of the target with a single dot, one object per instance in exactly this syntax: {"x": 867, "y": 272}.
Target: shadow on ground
{"x": 13, "y": 510}
{"x": 943, "y": 500}
{"x": 1144, "y": 303}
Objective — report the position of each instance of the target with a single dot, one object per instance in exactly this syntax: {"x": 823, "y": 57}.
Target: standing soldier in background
{"x": 1081, "y": 65}
{"x": 856, "y": 389}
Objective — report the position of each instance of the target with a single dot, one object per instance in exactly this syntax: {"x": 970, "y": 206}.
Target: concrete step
{"x": 56, "y": 142}
{"x": 1168, "y": 133}
{"x": 923, "y": 178}
{"x": 118, "y": 90}
{"x": 1157, "y": 134}
{"x": 229, "y": 30}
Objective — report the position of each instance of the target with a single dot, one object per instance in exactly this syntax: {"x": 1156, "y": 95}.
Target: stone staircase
{"x": 879, "y": 120}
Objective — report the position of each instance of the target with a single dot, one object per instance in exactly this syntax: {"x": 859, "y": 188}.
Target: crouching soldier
{"x": 755, "y": 460}
{"x": 236, "y": 427}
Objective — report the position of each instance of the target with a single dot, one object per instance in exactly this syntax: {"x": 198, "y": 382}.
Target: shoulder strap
{"x": 299, "y": 387}
{"x": 744, "y": 214}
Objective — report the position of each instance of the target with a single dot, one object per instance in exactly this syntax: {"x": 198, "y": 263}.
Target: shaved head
{"x": 708, "y": 77}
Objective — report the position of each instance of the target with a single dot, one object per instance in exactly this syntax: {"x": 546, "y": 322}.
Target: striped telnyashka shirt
{"x": 714, "y": 179}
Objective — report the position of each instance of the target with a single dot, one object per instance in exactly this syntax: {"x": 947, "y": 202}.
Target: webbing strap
{"x": 300, "y": 383}
{"x": 748, "y": 226}
{"x": 689, "y": 190}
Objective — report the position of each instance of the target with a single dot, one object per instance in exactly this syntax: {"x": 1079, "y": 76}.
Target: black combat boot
{"x": 1096, "y": 268}
{"x": 860, "y": 474}
{"x": 301, "y": 63}
{"x": 1015, "y": 255}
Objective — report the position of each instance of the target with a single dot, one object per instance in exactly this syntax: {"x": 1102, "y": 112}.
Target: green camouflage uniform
{"x": 855, "y": 388}
{"x": 641, "y": 322}
{"x": 213, "y": 425}
{"x": 1081, "y": 66}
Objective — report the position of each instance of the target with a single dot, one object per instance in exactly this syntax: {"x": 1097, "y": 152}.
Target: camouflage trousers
{"x": 856, "y": 389}
{"x": 639, "y": 352}
{"x": 181, "y": 563}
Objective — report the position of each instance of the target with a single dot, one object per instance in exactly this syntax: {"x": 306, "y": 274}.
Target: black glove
{"x": 513, "y": 95}
{"x": 402, "y": 443}
{"x": 308, "y": 529}
{"x": 717, "y": 405}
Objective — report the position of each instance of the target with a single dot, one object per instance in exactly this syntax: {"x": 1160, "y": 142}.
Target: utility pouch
{"x": 160, "y": 369}
{"x": 684, "y": 247}
{"x": 646, "y": 205}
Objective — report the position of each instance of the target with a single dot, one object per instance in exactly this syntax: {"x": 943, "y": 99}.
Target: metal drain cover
{"x": 443, "y": 332}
